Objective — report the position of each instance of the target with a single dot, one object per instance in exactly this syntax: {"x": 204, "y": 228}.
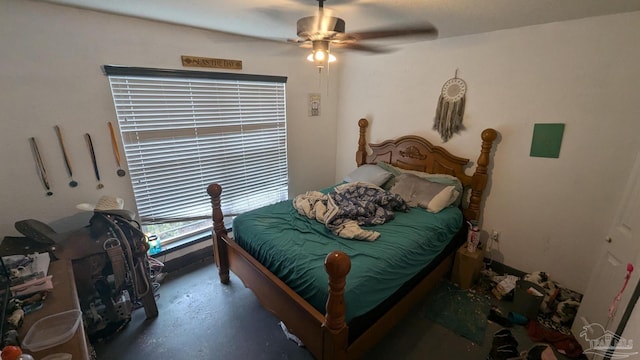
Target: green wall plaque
{"x": 546, "y": 141}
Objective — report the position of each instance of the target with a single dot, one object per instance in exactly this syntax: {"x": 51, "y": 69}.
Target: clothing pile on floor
{"x": 551, "y": 327}
{"x": 557, "y": 310}
{"x": 551, "y": 345}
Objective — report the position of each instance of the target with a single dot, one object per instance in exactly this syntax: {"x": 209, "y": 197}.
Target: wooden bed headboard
{"x": 413, "y": 152}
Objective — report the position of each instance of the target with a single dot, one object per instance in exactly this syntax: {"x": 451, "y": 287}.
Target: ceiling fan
{"x": 323, "y": 31}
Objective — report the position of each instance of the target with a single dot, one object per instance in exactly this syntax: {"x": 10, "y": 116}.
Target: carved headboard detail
{"x": 416, "y": 153}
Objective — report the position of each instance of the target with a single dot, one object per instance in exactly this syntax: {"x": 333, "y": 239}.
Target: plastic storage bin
{"x": 58, "y": 356}
{"x": 52, "y": 330}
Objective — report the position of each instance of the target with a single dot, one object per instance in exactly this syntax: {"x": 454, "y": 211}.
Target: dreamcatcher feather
{"x": 450, "y": 109}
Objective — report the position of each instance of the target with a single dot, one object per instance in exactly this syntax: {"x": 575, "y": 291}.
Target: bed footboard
{"x": 325, "y": 336}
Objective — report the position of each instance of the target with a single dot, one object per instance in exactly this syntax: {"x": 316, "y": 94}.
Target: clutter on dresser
{"x": 81, "y": 285}
{"x": 5, "y": 283}
{"x": 55, "y": 328}
{"x": 23, "y": 268}
{"x": 29, "y": 279}
{"x": 20, "y": 271}
{"x": 28, "y": 285}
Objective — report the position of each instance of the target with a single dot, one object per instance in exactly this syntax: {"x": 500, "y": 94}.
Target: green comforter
{"x": 293, "y": 248}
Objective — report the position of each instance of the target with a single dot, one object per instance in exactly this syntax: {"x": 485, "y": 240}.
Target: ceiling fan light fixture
{"x": 322, "y": 30}
{"x": 320, "y": 54}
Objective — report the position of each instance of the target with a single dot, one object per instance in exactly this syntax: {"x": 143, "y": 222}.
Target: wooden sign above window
{"x": 196, "y": 61}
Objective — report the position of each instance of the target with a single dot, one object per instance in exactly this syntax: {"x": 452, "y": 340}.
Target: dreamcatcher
{"x": 448, "y": 119}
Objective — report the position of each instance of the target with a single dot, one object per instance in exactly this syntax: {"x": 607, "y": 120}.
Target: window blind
{"x": 183, "y": 130}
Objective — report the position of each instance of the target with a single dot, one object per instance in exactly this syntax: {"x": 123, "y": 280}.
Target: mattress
{"x": 294, "y": 247}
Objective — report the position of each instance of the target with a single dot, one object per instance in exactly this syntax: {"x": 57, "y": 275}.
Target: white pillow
{"x": 444, "y": 198}
{"x": 369, "y": 173}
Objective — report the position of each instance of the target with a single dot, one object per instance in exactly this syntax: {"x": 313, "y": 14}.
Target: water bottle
{"x": 154, "y": 244}
{"x": 473, "y": 237}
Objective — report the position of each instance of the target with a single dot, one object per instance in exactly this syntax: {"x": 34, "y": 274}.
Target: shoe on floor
{"x": 504, "y": 346}
{"x": 504, "y": 337}
{"x": 540, "y": 352}
{"x": 497, "y": 317}
{"x": 517, "y": 318}
{"x": 505, "y": 352}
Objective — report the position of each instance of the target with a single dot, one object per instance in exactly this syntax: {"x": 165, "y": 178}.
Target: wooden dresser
{"x": 63, "y": 297}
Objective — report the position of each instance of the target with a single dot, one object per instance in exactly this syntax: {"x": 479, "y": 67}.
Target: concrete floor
{"x": 203, "y": 319}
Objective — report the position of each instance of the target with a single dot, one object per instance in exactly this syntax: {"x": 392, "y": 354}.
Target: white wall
{"x": 552, "y": 213}
{"x": 50, "y": 74}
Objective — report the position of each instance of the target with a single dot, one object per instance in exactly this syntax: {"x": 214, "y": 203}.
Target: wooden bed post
{"x": 480, "y": 175}
{"x": 219, "y": 230}
{"x": 361, "y": 154}
{"x": 335, "y": 330}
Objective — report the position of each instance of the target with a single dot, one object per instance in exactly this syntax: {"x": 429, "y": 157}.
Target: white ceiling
{"x": 276, "y": 19}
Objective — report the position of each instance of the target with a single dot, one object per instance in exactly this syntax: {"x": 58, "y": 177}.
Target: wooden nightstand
{"x": 467, "y": 266}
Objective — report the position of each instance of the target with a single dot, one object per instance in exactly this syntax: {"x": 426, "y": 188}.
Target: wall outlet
{"x": 495, "y": 235}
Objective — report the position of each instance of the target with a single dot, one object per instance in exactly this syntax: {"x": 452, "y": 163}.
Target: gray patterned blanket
{"x": 350, "y": 206}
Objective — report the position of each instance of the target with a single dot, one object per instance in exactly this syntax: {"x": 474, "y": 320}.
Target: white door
{"x": 621, "y": 248}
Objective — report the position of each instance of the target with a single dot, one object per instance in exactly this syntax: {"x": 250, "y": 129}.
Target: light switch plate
{"x": 314, "y": 104}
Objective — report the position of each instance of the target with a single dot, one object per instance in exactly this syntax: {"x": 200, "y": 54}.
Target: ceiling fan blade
{"x": 303, "y": 43}
{"x": 426, "y": 30}
{"x": 360, "y": 47}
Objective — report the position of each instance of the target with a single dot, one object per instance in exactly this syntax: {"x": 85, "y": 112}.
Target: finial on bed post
{"x": 361, "y": 154}
{"x": 337, "y": 264}
{"x": 219, "y": 230}
{"x": 336, "y": 333}
{"x": 214, "y": 191}
{"x": 480, "y": 175}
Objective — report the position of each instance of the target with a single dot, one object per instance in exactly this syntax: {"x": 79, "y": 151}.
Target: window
{"x": 183, "y": 130}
